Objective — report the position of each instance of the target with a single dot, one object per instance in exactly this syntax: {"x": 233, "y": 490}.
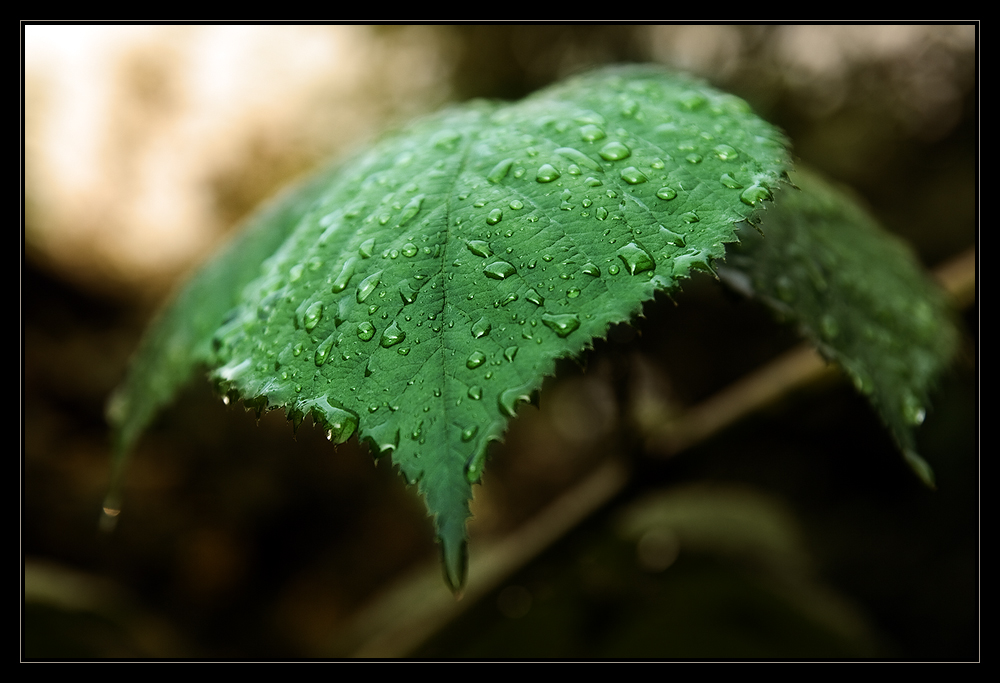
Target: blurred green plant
{"x": 417, "y": 293}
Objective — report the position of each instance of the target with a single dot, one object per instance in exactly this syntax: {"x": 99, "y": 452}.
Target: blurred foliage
{"x": 241, "y": 543}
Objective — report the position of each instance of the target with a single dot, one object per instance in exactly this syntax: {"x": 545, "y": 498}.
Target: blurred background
{"x": 795, "y": 533}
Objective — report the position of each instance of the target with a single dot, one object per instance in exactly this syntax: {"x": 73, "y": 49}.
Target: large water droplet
{"x": 475, "y": 392}
{"x": 508, "y": 400}
{"x": 479, "y": 248}
{"x": 500, "y": 171}
{"x": 615, "y": 151}
{"x": 666, "y": 193}
{"x": 345, "y": 275}
{"x": 312, "y": 316}
{"x": 407, "y": 292}
{"x": 409, "y": 250}
{"x": 499, "y": 270}
{"x": 366, "y": 331}
{"x": 561, "y": 323}
{"x": 730, "y": 182}
{"x": 392, "y": 336}
{"x": 725, "y": 152}
{"x": 578, "y": 157}
{"x": 755, "y": 194}
{"x": 411, "y": 209}
{"x": 591, "y": 270}
{"x": 633, "y": 176}
{"x": 635, "y": 258}
{"x": 534, "y": 297}
{"x": 476, "y": 358}
{"x": 339, "y": 422}
{"x": 324, "y": 350}
{"x": 547, "y": 173}
{"x": 591, "y": 133}
{"x": 481, "y": 328}
{"x": 368, "y": 286}
{"x": 367, "y": 248}
{"x": 494, "y": 217}
{"x": 510, "y": 352}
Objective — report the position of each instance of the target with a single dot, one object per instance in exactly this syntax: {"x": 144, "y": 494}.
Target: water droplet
{"x": 403, "y": 350}
{"x": 324, "y": 350}
{"x": 534, "y": 297}
{"x": 572, "y": 293}
{"x": 509, "y": 353}
{"x": 494, "y": 217}
{"x": 635, "y": 258}
{"x": 615, "y": 151}
{"x": 407, "y": 292}
{"x": 516, "y": 204}
{"x": 345, "y": 275}
{"x": 476, "y": 358}
{"x": 312, "y": 316}
{"x": 411, "y": 209}
{"x": 591, "y": 133}
{"x": 392, "y": 336}
{"x": 755, "y": 194}
{"x": 730, "y": 181}
{"x": 592, "y": 270}
{"x": 367, "y": 248}
{"x": 630, "y": 108}
{"x": 578, "y": 157}
{"x": 547, "y": 173}
{"x": 633, "y": 176}
{"x": 368, "y": 286}
{"x": 509, "y": 399}
{"x": 297, "y": 351}
{"x": 446, "y": 139}
{"x": 469, "y": 433}
{"x": 725, "y": 152}
{"x": 601, "y": 213}
{"x": 409, "y": 250}
{"x": 481, "y": 328}
{"x": 474, "y": 467}
{"x": 500, "y": 171}
{"x": 690, "y": 217}
{"x": 366, "y": 331}
{"x": 692, "y": 100}
{"x": 561, "y": 323}
{"x": 913, "y": 412}
{"x": 672, "y": 237}
{"x": 339, "y": 422}
{"x": 510, "y": 298}
{"x": 295, "y": 273}
{"x": 499, "y": 270}
{"x": 693, "y": 158}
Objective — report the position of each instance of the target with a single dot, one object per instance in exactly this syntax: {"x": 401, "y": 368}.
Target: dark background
{"x": 238, "y": 541}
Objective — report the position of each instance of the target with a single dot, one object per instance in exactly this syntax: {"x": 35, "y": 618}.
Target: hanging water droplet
{"x": 392, "y": 336}
{"x": 913, "y": 412}
{"x": 500, "y": 171}
{"x": 368, "y": 286}
{"x": 312, "y": 316}
{"x": 345, "y": 275}
{"x": 633, "y": 176}
{"x": 481, "y": 328}
{"x": 475, "y": 392}
{"x": 366, "y": 331}
{"x": 547, "y": 173}
{"x": 635, "y": 258}
{"x": 561, "y": 323}
{"x": 499, "y": 270}
{"x": 615, "y": 151}
{"x": 367, "y": 248}
{"x": 508, "y": 400}
{"x": 755, "y": 194}
{"x": 474, "y": 467}
{"x": 494, "y": 217}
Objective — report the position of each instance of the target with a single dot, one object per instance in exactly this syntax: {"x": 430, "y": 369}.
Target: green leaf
{"x": 416, "y": 295}
{"x": 858, "y": 293}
